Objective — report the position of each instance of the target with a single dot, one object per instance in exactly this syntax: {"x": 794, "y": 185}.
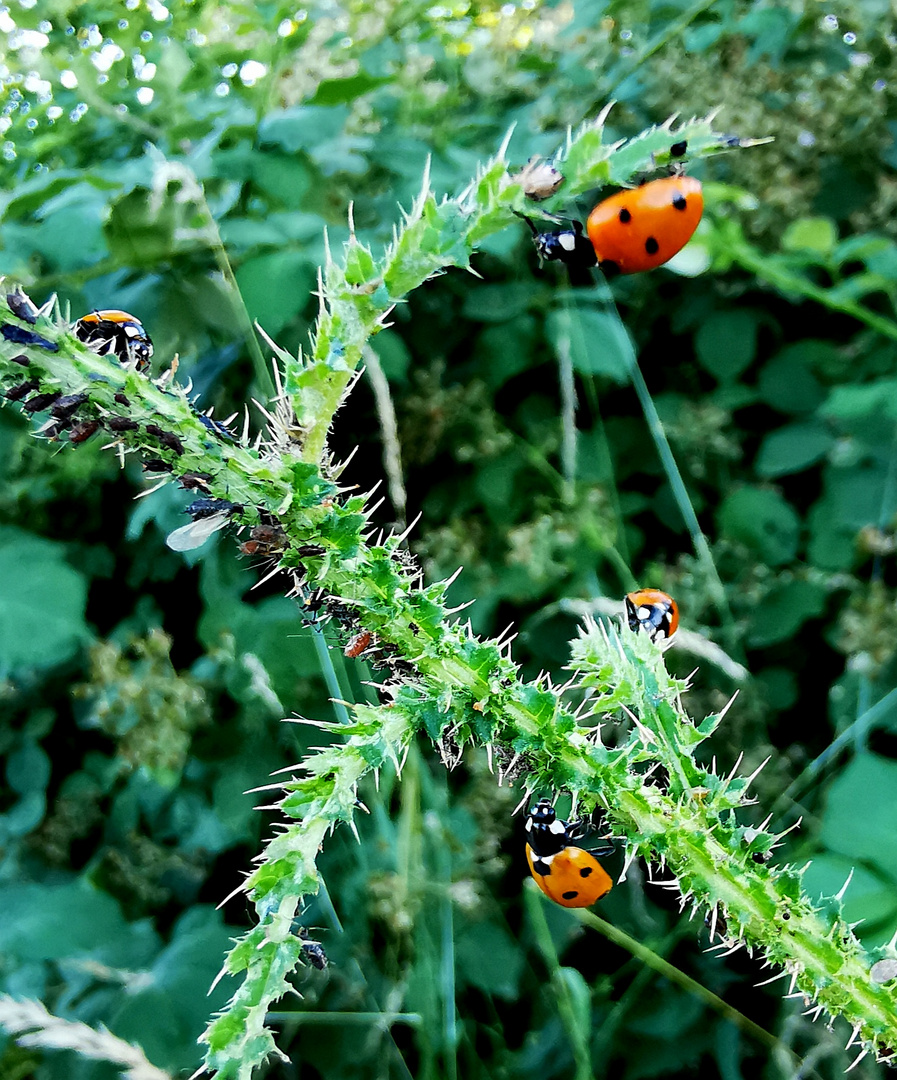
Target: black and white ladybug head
{"x": 543, "y": 818}
{"x": 569, "y": 246}
{"x": 546, "y": 833}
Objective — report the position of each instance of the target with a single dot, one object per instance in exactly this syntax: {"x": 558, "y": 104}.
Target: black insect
{"x": 64, "y": 407}
{"x": 21, "y": 305}
{"x": 216, "y": 427}
{"x": 16, "y": 393}
{"x": 21, "y": 336}
{"x": 166, "y": 438}
{"x": 41, "y": 401}
{"x": 203, "y": 508}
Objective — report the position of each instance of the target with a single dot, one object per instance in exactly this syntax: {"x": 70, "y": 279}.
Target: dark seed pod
{"x": 16, "y": 393}
{"x": 122, "y": 399}
{"x": 21, "y": 336}
{"x": 156, "y": 465}
{"x": 80, "y": 433}
{"x": 21, "y": 359}
{"x": 122, "y": 423}
{"x": 41, "y": 401}
{"x": 64, "y": 407}
{"x": 309, "y": 551}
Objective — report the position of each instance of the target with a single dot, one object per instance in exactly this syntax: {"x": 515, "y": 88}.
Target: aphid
{"x": 358, "y": 644}
{"x": 209, "y": 515}
{"x": 156, "y": 465}
{"x": 20, "y": 336}
{"x": 65, "y": 406}
{"x": 21, "y": 305}
{"x": 653, "y": 611}
{"x": 122, "y": 423}
{"x": 16, "y": 393}
{"x": 166, "y": 438}
{"x": 539, "y": 179}
{"x": 114, "y": 331}
{"x": 567, "y": 874}
{"x": 80, "y": 433}
{"x": 314, "y": 951}
{"x": 203, "y": 508}
{"x": 195, "y": 481}
{"x": 41, "y": 401}
{"x": 216, "y": 427}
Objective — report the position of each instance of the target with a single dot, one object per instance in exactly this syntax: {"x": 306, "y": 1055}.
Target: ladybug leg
{"x": 607, "y": 848}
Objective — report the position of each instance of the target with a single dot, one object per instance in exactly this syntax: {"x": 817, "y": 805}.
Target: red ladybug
{"x": 643, "y": 228}
{"x": 567, "y": 874}
{"x": 653, "y": 611}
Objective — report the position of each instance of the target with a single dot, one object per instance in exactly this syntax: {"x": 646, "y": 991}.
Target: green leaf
{"x": 343, "y": 91}
{"x": 489, "y": 958}
{"x": 762, "y": 520}
{"x": 816, "y": 234}
{"x": 28, "y": 768}
{"x": 596, "y": 341}
{"x": 42, "y": 602}
{"x": 787, "y": 383}
{"x": 794, "y": 448}
{"x": 726, "y": 343}
{"x": 866, "y": 787}
{"x": 275, "y": 287}
{"x": 784, "y": 611}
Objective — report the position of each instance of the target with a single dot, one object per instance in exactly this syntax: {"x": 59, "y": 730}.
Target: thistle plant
{"x": 444, "y": 682}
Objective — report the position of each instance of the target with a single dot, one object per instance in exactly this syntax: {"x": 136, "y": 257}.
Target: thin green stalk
{"x": 325, "y": 659}
{"x": 771, "y": 269}
{"x": 663, "y": 967}
{"x": 575, "y": 1024}
{"x": 383, "y": 1020}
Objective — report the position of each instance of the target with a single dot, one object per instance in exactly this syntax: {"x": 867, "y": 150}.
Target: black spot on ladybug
{"x": 679, "y": 203}
{"x": 586, "y": 870}
{"x": 678, "y": 149}
{"x": 572, "y": 895}
{"x": 651, "y": 246}
{"x": 625, "y": 216}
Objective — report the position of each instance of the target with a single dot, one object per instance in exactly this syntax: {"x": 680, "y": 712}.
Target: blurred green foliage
{"x": 183, "y": 162}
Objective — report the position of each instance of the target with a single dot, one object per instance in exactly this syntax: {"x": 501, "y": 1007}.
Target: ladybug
{"x": 567, "y": 874}
{"x": 653, "y": 611}
{"x": 117, "y": 332}
{"x": 634, "y": 230}
{"x": 641, "y": 228}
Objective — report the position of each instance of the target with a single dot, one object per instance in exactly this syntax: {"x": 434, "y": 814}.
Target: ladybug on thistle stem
{"x": 568, "y": 874}
{"x": 634, "y": 230}
{"x": 117, "y": 332}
